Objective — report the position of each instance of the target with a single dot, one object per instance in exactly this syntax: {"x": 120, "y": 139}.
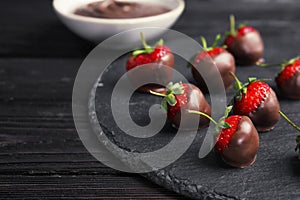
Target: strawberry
{"x": 158, "y": 55}
{"x": 178, "y": 99}
{"x": 288, "y": 80}
{"x": 257, "y": 100}
{"x": 238, "y": 139}
{"x": 245, "y": 43}
{"x": 222, "y": 59}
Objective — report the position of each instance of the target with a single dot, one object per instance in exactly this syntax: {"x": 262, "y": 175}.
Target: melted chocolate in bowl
{"x": 120, "y": 10}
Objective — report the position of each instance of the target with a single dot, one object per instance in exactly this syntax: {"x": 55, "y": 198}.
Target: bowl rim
{"x": 178, "y": 9}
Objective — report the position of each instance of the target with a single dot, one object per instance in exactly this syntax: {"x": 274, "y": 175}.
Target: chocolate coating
{"x": 224, "y": 62}
{"x": 196, "y": 101}
{"x": 243, "y": 146}
{"x": 120, "y": 10}
{"x": 247, "y": 49}
{"x": 161, "y": 74}
{"x": 267, "y": 114}
{"x": 291, "y": 87}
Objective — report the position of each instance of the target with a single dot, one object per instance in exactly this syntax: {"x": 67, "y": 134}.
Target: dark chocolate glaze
{"x": 247, "y": 49}
{"x": 225, "y": 63}
{"x": 196, "y": 101}
{"x": 120, "y": 10}
{"x": 243, "y": 146}
{"x": 291, "y": 87}
{"x": 267, "y": 114}
{"x": 160, "y": 74}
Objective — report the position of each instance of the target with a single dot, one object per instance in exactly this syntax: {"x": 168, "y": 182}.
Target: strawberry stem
{"x": 289, "y": 121}
{"x": 157, "y": 94}
{"x": 203, "y": 114}
{"x": 238, "y": 83}
{"x": 268, "y": 65}
{"x": 217, "y": 40}
{"x": 221, "y": 123}
{"x": 232, "y": 25}
{"x": 146, "y": 46}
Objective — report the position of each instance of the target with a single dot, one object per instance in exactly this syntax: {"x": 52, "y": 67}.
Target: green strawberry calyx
{"x": 241, "y": 88}
{"x": 147, "y": 48}
{"x": 220, "y": 124}
{"x": 169, "y": 96}
{"x": 214, "y": 45}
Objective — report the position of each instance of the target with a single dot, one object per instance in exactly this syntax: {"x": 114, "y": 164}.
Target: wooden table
{"x": 41, "y": 155}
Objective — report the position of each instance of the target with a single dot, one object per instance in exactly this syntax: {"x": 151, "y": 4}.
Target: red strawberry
{"x": 178, "y": 99}
{"x": 245, "y": 43}
{"x": 158, "y": 55}
{"x": 238, "y": 139}
{"x": 258, "y": 101}
{"x": 220, "y": 57}
{"x": 288, "y": 80}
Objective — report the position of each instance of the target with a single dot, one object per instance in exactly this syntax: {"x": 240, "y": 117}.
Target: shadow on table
{"x": 295, "y": 162}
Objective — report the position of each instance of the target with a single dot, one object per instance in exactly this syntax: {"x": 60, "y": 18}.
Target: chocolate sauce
{"x": 120, "y": 10}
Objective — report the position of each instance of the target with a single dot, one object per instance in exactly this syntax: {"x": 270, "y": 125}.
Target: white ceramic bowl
{"x": 98, "y": 29}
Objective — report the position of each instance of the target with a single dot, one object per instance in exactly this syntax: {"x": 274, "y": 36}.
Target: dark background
{"x": 40, "y": 152}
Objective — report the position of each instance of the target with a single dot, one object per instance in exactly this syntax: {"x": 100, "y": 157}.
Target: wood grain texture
{"x": 41, "y": 155}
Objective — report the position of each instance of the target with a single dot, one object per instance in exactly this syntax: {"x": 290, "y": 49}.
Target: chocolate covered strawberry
{"x": 238, "y": 139}
{"x": 155, "y": 56}
{"x": 222, "y": 59}
{"x": 178, "y": 99}
{"x": 245, "y": 43}
{"x": 288, "y": 79}
{"x": 257, "y": 100}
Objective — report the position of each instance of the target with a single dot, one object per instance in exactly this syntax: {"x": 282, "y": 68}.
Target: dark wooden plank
{"x": 26, "y": 35}
{"x": 41, "y": 154}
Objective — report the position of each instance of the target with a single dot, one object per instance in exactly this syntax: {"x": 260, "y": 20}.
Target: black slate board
{"x": 275, "y": 174}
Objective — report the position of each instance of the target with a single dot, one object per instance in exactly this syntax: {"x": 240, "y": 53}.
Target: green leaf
{"x": 252, "y": 79}
{"x": 164, "y": 105}
{"x": 159, "y": 43}
{"x": 238, "y": 97}
{"x": 177, "y": 88}
{"x": 204, "y": 43}
{"x": 217, "y": 40}
{"x": 224, "y": 125}
{"x": 171, "y": 99}
{"x": 298, "y": 139}
{"x": 169, "y": 87}
{"x": 243, "y": 24}
{"x": 138, "y": 52}
{"x": 227, "y": 111}
{"x": 244, "y": 90}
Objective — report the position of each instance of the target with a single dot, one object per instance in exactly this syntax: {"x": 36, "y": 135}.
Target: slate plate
{"x": 275, "y": 174}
